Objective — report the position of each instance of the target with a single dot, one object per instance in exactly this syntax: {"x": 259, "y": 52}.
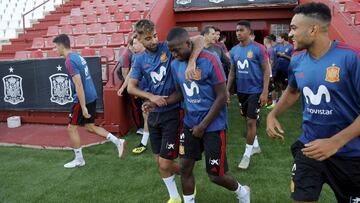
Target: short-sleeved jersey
{"x": 223, "y": 47}
{"x": 125, "y": 61}
{"x": 247, "y": 62}
{"x": 216, "y": 49}
{"x": 76, "y": 64}
{"x": 330, "y": 90}
{"x": 155, "y": 68}
{"x": 283, "y": 63}
{"x": 199, "y": 94}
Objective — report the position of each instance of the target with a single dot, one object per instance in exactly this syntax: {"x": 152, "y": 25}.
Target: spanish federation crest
{"x": 332, "y": 74}
{"x": 250, "y": 54}
{"x": 13, "y": 92}
{"x": 183, "y": 2}
{"x": 61, "y": 92}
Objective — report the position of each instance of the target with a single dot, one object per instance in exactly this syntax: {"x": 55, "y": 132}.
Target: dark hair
{"x": 62, "y": 39}
{"x": 272, "y": 37}
{"x": 143, "y": 26}
{"x": 217, "y": 29}
{"x": 285, "y": 36}
{"x": 206, "y": 29}
{"x": 177, "y": 33}
{"x": 315, "y": 10}
{"x": 131, "y": 41}
{"x": 252, "y": 32}
{"x": 244, "y": 23}
{"x": 222, "y": 37}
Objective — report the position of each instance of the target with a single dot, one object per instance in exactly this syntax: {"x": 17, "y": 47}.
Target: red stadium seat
{"x": 38, "y": 43}
{"x": 85, "y": 4}
{"x": 49, "y": 43}
{"x": 52, "y": 54}
{"x": 66, "y": 29}
{"x": 75, "y": 20}
{"x": 22, "y": 55}
{"x": 109, "y": 2}
{"x": 98, "y": 3}
{"x": 119, "y": 17}
{"x": 134, "y": 16}
{"x": 65, "y": 20}
{"x": 88, "y": 52}
{"x": 352, "y": 7}
{"x": 107, "y": 53}
{"x": 141, "y": 7}
{"x": 88, "y": 10}
{"x": 72, "y": 41}
{"x": 90, "y": 19}
{"x": 100, "y": 40}
{"x": 53, "y": 31}
{"x": 113, "y": 9}
{"x": 94, "y": 28}
{"x": 100, "y": 10}
{"x": 82, "y": 41}
{"x": 357, "y": 18}
{"x": 130, "y": 35}
{"x": 125, "y": 27}
{"x": 105, "y": 18}
{"x": 80, "y": 29}
{"x": 36, "y": 55}
{"x": 117, "y": 40}
{"x": 111, "y": 27}
{"x": 126, "y": 8}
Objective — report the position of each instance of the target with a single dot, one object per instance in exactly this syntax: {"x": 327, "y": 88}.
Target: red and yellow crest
{"x": 332, "y": 74}
{"x": 250, "y": 54}
{"x": 163, "y": 57}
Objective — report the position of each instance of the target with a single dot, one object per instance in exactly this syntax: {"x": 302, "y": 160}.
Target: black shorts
{"x": 76, "y": 116}
{"x": 342, "y": 174}
{"x": 214, "y": 145}
{"x": 249, "y": 105}
{"x": 164, "y": 133}
{"x": 281, "y": 78}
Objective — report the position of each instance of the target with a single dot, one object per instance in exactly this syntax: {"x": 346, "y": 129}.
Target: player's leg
{"x": 92, "y": 128}
{"x": 217, "y": 167}
{"x": 307, "y": 176}
{"x": 145, "y": 137}
{"x": 187, "y": 179}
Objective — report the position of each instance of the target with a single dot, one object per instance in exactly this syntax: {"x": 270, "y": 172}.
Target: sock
{"x": 256, "y": 142}
{"x": 274, "y": 101}
{"x": 112, "y": 138}
{"x": 240, "y": 191}
{"x": 248, "y": 150}
{"x": 171, "y": 187}
{"x": 189, "y": 198}
{"x": 78, "y": 154}
{"x": 145, "y": 138}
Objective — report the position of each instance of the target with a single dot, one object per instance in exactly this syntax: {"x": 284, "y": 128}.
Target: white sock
{"x": 248, "y": 150}
{"x": 145, "y": 138}
{"x": 189, "y": 198}
{"x": 240, "y": 191}
{"x": 171, "y": 187}
{"x": 78, "y": 154}
{"x": 274, "y": 101}
{"x": 112, "y": 138}
{"x": 256, "y": 142}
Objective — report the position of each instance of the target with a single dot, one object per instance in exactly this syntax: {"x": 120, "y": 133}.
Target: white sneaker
{"x": 140, "y": 131}
{"x": 244, "y": 163}
{"x": 75, "y": 163}
{"x": 121, "y": 147}
{"x": 256, "y": 150}
{"x": 245, "y": 198}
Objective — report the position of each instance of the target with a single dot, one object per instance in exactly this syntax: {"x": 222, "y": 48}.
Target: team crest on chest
{"x": 163, "y": 57}
{"x": 332, "y": 74}
{"x": 197, "y": 75}
{"x": 250, "y": 54}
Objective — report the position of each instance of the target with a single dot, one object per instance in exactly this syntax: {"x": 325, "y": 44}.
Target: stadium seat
{"x": 38, "y": 43}
{"x": 94, "y": 28}
{"x": 357, "y": 18}
{"x": 52, "y": 54}
{"x": 88, "y": 52}
{"x": 66, "y": 29}
{"x": 75, "y": 20}
{"x": 21, "y": 55}
{"x": 117, "y": 40}
{"x": 88, "y": 10}
{"x": 111, "y": 27}
{"x": 49, "y": 43}
{"x": 36, "y": 55}
{"x": 119, "y": 17}
{"x": 113, "y": 9}
{"x": 109, "y": 2}
{"x": 90, "y": 19}
{"x": 134, "y": 16}
{"x": 126, "y": 8}
{"x": 98, "y": 3}
{"x": 100, "y": 40}
{"x": 65, "y": 20}
{"x": 80, "y": 29}
{"x": 85, "y": 4}
{"x": 82, "y": 41}
{"x": 125, "y": 27}
{"x": 107, "y": 53}
{"x": 105, "y": 18}
{"x": 141, "y": 7}
{"x": 352, "y": 7}
{"x": 100, "y": 10}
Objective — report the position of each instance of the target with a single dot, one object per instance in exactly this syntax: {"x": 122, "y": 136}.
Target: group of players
{"x": 190, "y": 73}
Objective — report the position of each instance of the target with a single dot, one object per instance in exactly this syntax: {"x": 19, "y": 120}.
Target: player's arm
{"x": 81, "y": 94}
{"x": 175, "y": 97}
{"x": 266, "y": 79}
{"x": 125, "y": 83}
{"x": 220, "y": 101}
{"x": 135, "y": 90}
{"x": 198, "y": 45}
{"x": 231, "y": 79}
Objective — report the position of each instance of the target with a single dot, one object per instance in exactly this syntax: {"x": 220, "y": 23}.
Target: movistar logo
{"x": 157, "y": 77}
{"x": 243, "y": 65}
{"x": 315, "y": 99}
{"x": 192, "y": 89}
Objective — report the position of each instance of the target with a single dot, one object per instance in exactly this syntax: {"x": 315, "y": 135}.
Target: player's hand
{"x": 198, "y": 131}
{"x": 273, "y": 128}
{"x": 263, "y": 98}
{"x": 85, "y": 113}
{"x": 120, "y": 91}
{"x": 190, "y": 71}
{"x": 148, "y": 106}
{"x": 321, "y": 149}
{"x": 158, "y": 100}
